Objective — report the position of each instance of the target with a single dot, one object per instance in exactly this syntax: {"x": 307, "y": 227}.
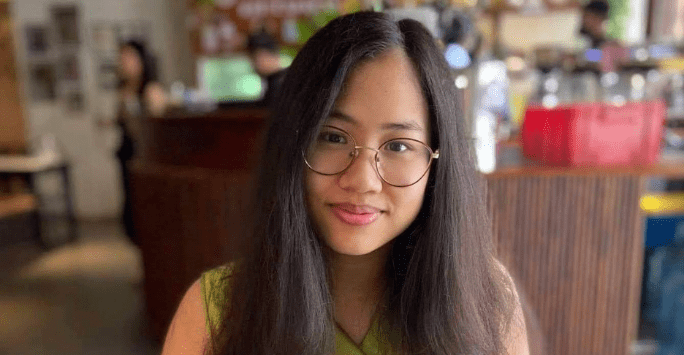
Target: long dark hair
{"x": 447, "y": 293}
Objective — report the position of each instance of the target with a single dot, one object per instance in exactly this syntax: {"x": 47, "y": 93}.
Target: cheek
{"x": 414, "y": 200}
{"x": 310, "y": 189}
{"x": 314, "y": 187}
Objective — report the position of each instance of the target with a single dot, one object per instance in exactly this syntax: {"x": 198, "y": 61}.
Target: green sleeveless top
{"x": 214, "y": 282}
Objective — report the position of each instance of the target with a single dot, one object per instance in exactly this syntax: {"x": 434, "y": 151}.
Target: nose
{"x": 361, "y": 176}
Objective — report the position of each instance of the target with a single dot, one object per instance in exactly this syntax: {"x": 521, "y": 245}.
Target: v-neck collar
{"x": 370, "y": 345}
{"x": 373, "y": 342}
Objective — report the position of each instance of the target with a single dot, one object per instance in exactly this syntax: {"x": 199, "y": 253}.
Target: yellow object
{"x": 464, "y": 3}
{"x": 672, "y": 65}
{"x": 518, "y": 103}
{"x": 662, "y": 204}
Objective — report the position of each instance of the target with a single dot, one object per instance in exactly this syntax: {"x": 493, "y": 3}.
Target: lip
{"x": 356, "y": 215}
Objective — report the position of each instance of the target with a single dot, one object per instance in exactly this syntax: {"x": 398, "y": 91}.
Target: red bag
{"x": 594, "y": 133}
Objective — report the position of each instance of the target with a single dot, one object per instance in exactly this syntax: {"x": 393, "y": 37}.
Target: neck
{"x": 131, "y": 86}
{"x": 361, "y": 278}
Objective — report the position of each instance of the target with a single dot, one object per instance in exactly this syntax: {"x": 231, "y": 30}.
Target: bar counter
{"x": 571, "y": 237}
{"x": 190, "y": 185}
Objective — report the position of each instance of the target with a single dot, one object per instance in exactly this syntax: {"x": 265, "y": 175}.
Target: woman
{"x": 139, "y": 95}
{"x": 370, "y": 234}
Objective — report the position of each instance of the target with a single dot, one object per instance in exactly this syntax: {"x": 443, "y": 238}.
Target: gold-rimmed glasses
{"x": 399, "y": 162}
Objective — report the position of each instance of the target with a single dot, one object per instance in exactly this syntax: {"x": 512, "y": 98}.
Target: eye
{"x": 332, "y": 137}
{"x": 399, "y": 146}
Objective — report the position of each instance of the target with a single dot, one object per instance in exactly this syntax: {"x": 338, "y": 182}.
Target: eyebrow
{"x": 391, "y": 126}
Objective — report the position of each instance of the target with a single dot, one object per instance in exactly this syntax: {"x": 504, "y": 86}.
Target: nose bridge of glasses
{"x": 357, "y": 148}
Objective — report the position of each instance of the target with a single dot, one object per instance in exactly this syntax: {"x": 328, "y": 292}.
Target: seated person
{"x": 264, "y": 53}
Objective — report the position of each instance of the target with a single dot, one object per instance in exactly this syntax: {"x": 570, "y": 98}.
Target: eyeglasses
{"x": 399, "y": 162}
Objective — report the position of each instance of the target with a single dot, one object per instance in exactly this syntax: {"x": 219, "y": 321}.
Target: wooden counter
{"x": 573, "y": 238}
{"x": 190, "y": 185}
{"x": 224, "y": 139}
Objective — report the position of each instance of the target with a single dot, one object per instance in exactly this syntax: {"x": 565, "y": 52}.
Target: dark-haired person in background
{"x": 139, "y": 95}
{"x": 369, "y": 233}
{"x": 595, "y": 16}
{"x": 264, "y": 53}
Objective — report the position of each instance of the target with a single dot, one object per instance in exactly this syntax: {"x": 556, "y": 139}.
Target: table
{"x": 29, "y": 167}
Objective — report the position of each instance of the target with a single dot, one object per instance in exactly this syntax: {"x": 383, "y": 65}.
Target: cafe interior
{"x": 114, "y": 197}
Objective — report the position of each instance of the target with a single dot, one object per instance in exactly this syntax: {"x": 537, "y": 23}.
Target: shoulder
{"x": 198, "y": 313}
{"x": 187, "y": 333}
{"x": 155, "y": 98}
{"x": 515, "y": 336}
{"x": 215, "y": 285}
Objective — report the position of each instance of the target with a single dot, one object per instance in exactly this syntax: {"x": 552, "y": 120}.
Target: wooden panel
{"x": 12, "y": 136}
{"x": 575, "y": 244}
{"x": 224, "y": 139}
{"x": 189, "y": 220}
{"x": 189, "y": 191}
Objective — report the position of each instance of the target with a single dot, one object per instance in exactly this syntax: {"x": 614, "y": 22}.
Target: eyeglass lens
{"x": 400, "y": 162}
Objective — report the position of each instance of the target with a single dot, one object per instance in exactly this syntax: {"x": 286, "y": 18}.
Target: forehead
{"x": 129, "y": 52}
{"x": 384, "y": 91}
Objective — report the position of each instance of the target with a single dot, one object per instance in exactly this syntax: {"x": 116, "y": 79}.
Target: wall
{"x": 525, "y": 32}
{"x": 560, "y": 27}
{"x": 89, "y": 146}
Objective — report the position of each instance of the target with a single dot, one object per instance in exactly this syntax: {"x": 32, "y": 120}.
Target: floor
{"x": 81, "y": 298}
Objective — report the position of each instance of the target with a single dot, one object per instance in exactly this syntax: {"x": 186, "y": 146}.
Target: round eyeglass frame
{"x": 433, "y": 155}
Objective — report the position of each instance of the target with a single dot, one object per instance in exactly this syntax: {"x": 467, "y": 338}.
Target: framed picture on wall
{"x": 66, "y": 20}
{"x": 42, "y": 82}
{"x": 37, "y": 40}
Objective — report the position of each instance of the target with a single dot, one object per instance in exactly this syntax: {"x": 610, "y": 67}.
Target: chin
{"x": 354, "y": 246}
{"x": 350, "y": 251}
{"x": 349, "y": 247}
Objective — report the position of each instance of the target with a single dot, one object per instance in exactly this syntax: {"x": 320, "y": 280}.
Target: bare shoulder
{"x": 516, "y": 339}
{"x": 156, "y": 99}
{"x": 187, "y": 333}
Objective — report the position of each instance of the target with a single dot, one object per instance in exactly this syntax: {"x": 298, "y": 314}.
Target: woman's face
{"x": 130, "y": 63}
{"x": 356, "y": 212}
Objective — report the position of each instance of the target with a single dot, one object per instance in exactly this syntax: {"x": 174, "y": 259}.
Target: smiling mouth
{"x": 356, "y": 215}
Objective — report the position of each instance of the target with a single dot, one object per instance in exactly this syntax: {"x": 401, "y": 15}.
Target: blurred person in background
{"x": 139, "y": 96}
{"x": 594, "y": 23}
{"x": 594, "y": 17}
{"x": 264, "y": 53}
{"x": 370, "y": 232}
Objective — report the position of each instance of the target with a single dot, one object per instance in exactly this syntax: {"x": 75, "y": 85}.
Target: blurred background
{"x": 130, "y": 130}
